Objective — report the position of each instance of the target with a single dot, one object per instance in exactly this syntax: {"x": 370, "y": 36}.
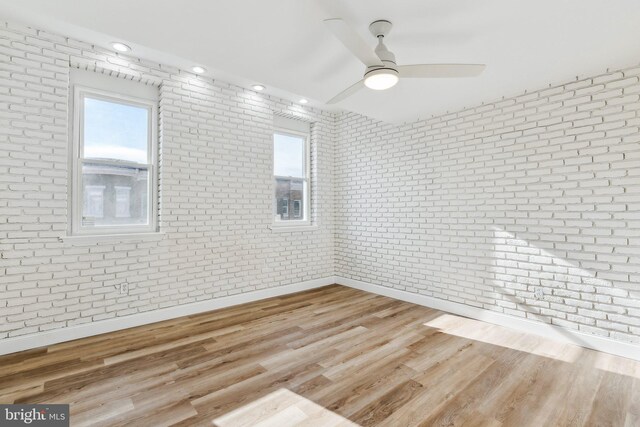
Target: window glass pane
{"x": 94, "y": 201}
{"x": 115, "y": 131}
{"x": 123, "y": 202}
{"x": 283, "y": 207}
{"x": 288, "y": 155}
{"x": 114, "y": 195}
{"x": 289, "y": 199}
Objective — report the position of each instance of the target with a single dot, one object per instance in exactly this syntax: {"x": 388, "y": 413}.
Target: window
{"x": 296, "y": 208}
{"x": 283, "y": 208}
{"x": 114, "y": 161}
{"x": 94, "y": 200}
{"x": 291, "y": 175}
{"x": 123, "y": 204}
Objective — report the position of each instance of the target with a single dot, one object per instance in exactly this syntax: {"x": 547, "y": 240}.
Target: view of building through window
{"x": 114, "y": 195}
{"x": 291, "y": 176}
{"x": 289, "y": 195}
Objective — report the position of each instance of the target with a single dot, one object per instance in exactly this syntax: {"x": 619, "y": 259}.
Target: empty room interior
{"x": 320, "y": 213}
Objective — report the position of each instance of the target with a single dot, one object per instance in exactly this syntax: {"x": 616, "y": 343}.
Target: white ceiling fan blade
{"x": 347, "y": 92}
{"x": 352, "y": 41}
{"x": 441, "y": 70}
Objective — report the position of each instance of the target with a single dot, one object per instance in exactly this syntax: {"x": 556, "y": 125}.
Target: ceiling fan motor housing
{"x": 380, "y": 29}
{"x": 385, "y": 54}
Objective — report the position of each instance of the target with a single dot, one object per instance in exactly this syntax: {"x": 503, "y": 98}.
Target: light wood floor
{"x": 331, "y": 356}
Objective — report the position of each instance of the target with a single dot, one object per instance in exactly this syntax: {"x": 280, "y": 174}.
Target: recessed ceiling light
{"x": 198, "y": 70}
{"x": 303, "y": 101}
{"x": 258, "y": 87}
{"x": 120, "y": 47}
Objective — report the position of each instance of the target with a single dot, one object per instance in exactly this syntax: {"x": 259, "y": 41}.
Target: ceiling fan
{"x": 382, "y": 72}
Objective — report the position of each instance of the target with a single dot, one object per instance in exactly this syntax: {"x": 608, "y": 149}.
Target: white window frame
{"x": 306, "y": 186}
{"x": 76, "y": 227}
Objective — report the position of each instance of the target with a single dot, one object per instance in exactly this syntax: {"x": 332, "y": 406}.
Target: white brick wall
{"x": 486, "y": 205}
{"x": 215, "y": 191}
{"x": 481, "y": 207}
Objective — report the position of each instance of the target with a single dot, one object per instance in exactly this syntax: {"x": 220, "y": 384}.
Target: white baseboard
{"x": 606, "y": 345}
{"x": 41, "y": 339}
{"x": 557, "y": 333}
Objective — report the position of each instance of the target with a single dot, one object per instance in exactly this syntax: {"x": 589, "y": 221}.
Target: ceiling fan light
{"x": 381, "y": 79}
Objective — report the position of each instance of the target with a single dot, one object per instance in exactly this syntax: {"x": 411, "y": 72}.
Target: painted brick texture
{"x": 215, "y": 191}
{"x": 487, "y": 205}
{"x": 481, "y": 207}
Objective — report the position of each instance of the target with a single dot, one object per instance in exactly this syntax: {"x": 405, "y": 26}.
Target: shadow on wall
{"x": 547, "y": 287}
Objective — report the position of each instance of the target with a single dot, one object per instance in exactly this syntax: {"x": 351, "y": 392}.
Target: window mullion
{"x": 115, "y": 162}
{"x": 289, "y": 177}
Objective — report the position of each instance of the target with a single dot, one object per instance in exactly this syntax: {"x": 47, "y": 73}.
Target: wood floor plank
{"x": 384, "y": 406}
{"x": 365, "y": 386}
{"x": 438, "y": 394}
{"x": 612, "y": 402}
{"x": 332, "y": 356}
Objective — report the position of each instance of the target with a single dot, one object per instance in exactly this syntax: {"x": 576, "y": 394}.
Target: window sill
{"x": 292, "y": 228}
{"x": 82, "y": 240}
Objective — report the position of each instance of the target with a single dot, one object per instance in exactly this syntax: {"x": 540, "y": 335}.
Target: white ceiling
{"x": 284, "y": 45}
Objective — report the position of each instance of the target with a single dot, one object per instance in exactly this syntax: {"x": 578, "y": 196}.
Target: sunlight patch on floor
{"x": 617, "y": 365}
{"x": 282, "y": 408}
{"x": 488, "y": 333}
